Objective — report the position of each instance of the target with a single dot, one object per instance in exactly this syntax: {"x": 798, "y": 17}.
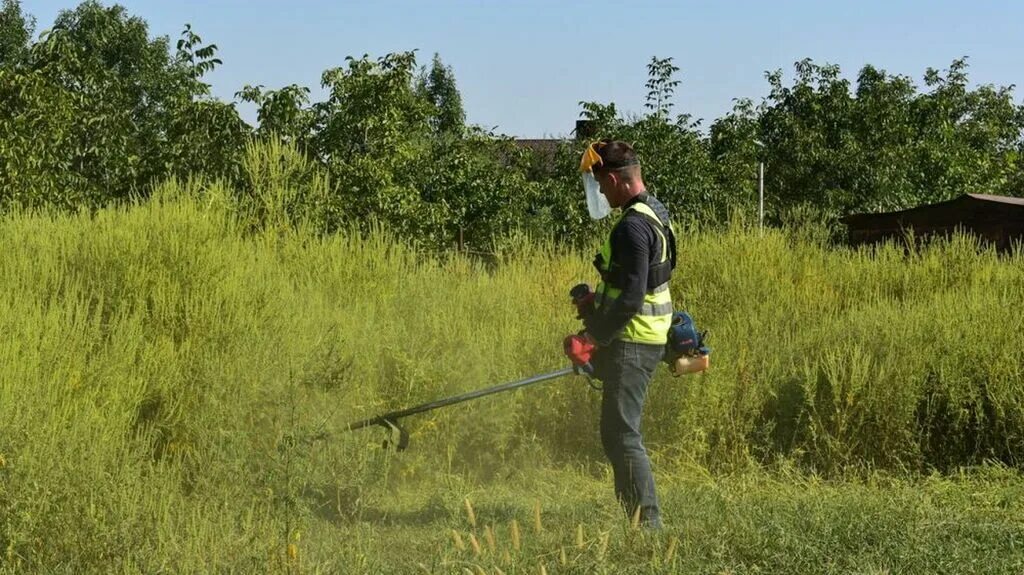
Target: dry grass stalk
{"x": 603, "y": 549}
{"x": 458, "y": 541}
{"x": 489, "y": 538}
{"x": 470, "y": 515}
{"x": 516, "y": 540}
{"x": 671, "y": 552}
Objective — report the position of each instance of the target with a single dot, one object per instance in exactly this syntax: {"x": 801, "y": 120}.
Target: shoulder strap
{"x": 665, "y": 227}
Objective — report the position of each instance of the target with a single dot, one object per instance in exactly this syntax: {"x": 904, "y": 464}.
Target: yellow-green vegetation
{"x": 165, "y": 368}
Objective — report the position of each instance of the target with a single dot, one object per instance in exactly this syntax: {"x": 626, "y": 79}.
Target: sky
{"x": 523, "y": 67}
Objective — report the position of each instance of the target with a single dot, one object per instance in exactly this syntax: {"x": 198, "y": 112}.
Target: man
{"x": 633, "y": 313}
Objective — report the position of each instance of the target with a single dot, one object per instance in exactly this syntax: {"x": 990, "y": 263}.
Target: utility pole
{"x": 760, "y": 184}
{"x": 760, "y": 194}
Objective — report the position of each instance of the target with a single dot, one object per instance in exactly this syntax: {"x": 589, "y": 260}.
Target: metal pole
{"x": 394, "y": 415}
{"x": 760, "y": 194}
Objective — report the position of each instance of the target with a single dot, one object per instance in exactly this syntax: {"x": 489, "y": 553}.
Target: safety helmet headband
{"x": 594, "y": 160}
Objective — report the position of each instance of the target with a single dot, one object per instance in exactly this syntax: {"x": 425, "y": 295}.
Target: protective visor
{"x": 597, "y": 204}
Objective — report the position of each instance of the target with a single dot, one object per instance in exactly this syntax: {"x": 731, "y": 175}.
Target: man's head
{"x": 618, "y": 172}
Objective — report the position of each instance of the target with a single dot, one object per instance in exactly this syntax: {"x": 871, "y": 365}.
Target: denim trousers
{"x": 625, "y": 369}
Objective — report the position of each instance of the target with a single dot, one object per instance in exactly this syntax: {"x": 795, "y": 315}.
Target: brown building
{"x": 996, "y": 219}
{"x": 545, "y": 151}
{"x": 548, "y": 147}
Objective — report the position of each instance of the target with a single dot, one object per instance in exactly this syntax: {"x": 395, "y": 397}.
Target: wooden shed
{"x": 996, "y": 219}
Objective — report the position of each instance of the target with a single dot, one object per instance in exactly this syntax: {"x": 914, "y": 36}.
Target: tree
{"x": 966, "y": 140}
{"x": 735, "y": 153}
{"x": 371, "y": 109}
{"x": 99, "y": 103}
{"x": 37, "y": 147}
{"x": 806, "y": 130}
{"x": 15, "y": 32}
{"x": 674, "y": 155}
{"x": 369, "y": 133}
{"x": 283, "y": 112}
{"x": 661, "y": 85}
{"x": 204, "y": 136}
{"x": 884, "y": 145}
{"x": 438, "y": 87}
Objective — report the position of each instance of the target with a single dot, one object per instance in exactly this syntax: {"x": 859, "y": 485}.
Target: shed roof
{"x": 962, "y": 200}
{"x": 1001, "y": 199}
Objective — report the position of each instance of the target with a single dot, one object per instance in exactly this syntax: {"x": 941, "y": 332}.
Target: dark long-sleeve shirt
{"x": 635, "y": 247}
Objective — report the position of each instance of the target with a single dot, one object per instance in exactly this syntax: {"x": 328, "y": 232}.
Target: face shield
{"x": 597, "y": 204}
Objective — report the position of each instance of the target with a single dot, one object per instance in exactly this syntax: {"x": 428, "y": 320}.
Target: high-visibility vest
{"x": 652, "y": 322}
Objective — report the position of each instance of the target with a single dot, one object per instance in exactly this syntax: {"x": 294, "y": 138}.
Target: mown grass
{"x": 752, "y": 523}
{"x": 165, "y": 368}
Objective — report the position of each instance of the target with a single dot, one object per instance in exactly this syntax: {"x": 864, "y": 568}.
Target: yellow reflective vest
{"x": 652, "y": 322}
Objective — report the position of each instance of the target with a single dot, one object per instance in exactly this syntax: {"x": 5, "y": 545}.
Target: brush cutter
{"x": 685, "y": 353}
{"x": 389, "y": 421}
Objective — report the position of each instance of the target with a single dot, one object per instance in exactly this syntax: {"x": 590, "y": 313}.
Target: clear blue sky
{"x": 522, "y": 67}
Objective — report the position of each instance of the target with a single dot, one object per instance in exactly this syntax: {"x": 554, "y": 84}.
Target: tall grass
{"x": 166, "y": 367}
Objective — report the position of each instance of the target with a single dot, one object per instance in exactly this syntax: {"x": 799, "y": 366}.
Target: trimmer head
{"x": 393, "y": 428}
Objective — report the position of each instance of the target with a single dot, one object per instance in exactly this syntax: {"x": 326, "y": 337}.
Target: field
{"x": 166, "y": 369}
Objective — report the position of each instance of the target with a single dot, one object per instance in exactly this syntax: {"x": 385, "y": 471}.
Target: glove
{"x": 579, "y": 348}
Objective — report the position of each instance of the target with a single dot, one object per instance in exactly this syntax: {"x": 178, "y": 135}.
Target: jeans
{"x": 626, "y": 369}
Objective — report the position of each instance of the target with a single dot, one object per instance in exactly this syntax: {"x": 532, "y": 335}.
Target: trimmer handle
{"x": 585, "y": 369}
{"x": 583, "y": 299}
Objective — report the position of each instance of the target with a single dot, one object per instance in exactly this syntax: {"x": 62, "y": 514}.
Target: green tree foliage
{"x": 397, "y": 151}
{"x": 37, "y": 149}
{"x": 661, "y": 85}
{"x": 282, "y": 112}
{"x": 96, "y": 110}
{"x": 123, "y": 87}
{"x": 438, "y": 86}
{"x": 372, "y": 109}
{"x": 883, "y": 145}
{"x": 735, "y": 151}
{"x": 369, "y": 133}
{"x": 674, "y": 154}
{"x": 966, "y": 138}
{"x": 807, "y": 131}
{"x": 204, "y": 135}
{"x": 15, "y": 32}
